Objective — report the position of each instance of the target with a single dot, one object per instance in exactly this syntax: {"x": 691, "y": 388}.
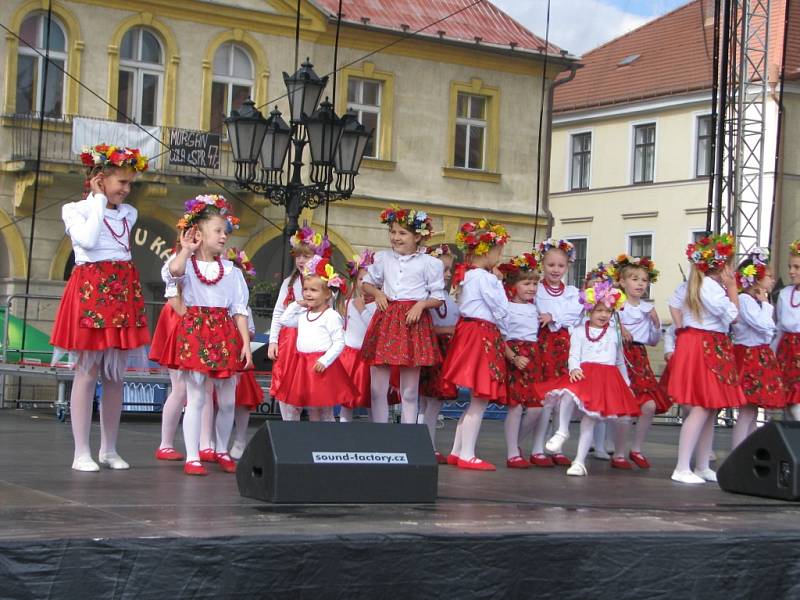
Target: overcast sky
{"x": 580, "y": 25}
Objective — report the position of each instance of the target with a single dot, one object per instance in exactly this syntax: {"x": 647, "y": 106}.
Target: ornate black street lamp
{"x": 336, "y": 148}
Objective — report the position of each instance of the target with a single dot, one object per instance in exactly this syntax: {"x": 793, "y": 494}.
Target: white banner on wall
{"x": 88, "y": 132}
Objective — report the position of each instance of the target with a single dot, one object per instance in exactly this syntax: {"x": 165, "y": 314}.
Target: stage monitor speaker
{"x": 766, "y": 464}
{"x": 353, "y": 463}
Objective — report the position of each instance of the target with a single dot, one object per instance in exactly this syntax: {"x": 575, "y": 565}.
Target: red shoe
{"x": 475, "y": 464}
{"x": 194, "y": 467}
{"x": 440, "y": 459}
{"x": 517, "y": 462}
{"x": 208, "y": 455}
{"x": 226, "y": 462}
{"x": 169, "y": 454}
{"x": 452, "y": 459}
{"x": 620, "y": 462}
{"x": 542, "y": 460}
{"x": 561, "y": 460}
{"x": 640, "y": 460}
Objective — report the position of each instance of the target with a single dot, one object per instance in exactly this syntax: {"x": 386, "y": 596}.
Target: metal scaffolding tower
{"x": 739, "y": 202}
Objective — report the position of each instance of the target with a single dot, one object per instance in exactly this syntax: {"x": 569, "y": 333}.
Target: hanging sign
{"x": 194, "y": 148}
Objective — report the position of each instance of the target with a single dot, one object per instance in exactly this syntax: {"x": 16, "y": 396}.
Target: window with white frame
{"x": 231, "y": 84}
{"x": 581, "y": 149}
{"x": 697, "y": 235}
{"x": 470, "y": 132}
{"x": 31, "y": 66}
{"x": 644, "y": 152}
{"x": 364, "y": 97}
{"x": 639, "y": 245}
{"x": 141, "y": 75}
{"x": 576, "y": 272}
{"x": 703, "y": 157}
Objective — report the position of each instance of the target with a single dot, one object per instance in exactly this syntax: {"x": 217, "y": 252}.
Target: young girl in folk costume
{"x": 318, "y": 381}
{"x": 101, "y": 316}
{"x": 597, "y": 380}
{"x": 211, "y": 346}
{"x": 405, "y": 282}
{"x": 476, "y": 359}
{"x": 520, "y": 330}
{"x": 641, "y": 327}
{"x": 703, "y": 373}
{"x": 753, "y": 331}
{"x": 162, "y": 351}
{"x": 788, "y": 309}
{"x": 358, "y": 310}
{"x": 283, "y": 340}
{"x": 559, "y": 312}
{"x": 432, "y": 389}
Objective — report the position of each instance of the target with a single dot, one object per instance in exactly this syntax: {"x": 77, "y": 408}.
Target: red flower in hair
{"x": 87, "y": 159}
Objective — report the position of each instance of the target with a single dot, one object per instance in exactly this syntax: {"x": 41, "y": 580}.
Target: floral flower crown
{"x": 195, "y": 207}
{"x": 545, "y": 246}
{"x": 794, "y": 248}
{"x": 754, "y": 271}
{"x": 440, "y": 251}
{"x": 417, "y": 221}
{"x": 240, "y": 259}
{"x": 478, "y": 237}
{"x": 318, "y": 243}
{"x": 602, "y": 272}
{"x": 602, "y": 292}
{"x": 119, "y": 156}
{"x": 360, "y": 261}
{"x": 644, "y": 262}
{"x": 321, "y": 267}
{"x": 711, "y": 251}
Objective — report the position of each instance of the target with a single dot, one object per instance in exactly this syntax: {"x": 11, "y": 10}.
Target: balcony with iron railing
{"x": 175, "y": 151}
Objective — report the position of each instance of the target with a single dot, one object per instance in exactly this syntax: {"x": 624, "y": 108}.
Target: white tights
{"x": 587, "y": 437}
{"x": 172, "y": 409}
{"x": 565, "y": 408}
{"x": 745, "y": 424}
{"x": 794, "y": 410}
{"x": 540, "y": 430}
{"x": 409, "y": 390}
{"x": 196, "y": 398}
{"x": 512, "y": 428}
{"x": 696, "y": 438}
{"x": 320, "y": 413}
{"x": 643, "y": 424}
{"x": 469, "y": 426}
{"x": 430, "y": 415}
{"x": 80, "y": 403}
{"x": 529, "y": 421}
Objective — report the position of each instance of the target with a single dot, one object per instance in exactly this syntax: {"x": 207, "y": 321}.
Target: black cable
{"x": 213, "y": 180}
{"x": 35, "y": 200}
{"x": 541, "y": 124}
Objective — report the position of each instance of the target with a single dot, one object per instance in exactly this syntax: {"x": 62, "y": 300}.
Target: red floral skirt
{"x": 287, "y": 358}
{"x": 789, "y": 360}
{"x": 553, "y": 353}
{"x": 162, "y": 347}
{"x": 601, "y": 393}
{"x": 306, "y": 387}
{"x": 208, "y": 342}
{"x": 431, "y": 383}
{"x": 475, "y": 360}
{"x": 520, "y": 382}
{"x": 248, "y": 393}
{"x": 762, "y": 383}
{"x": 703, "y": 370}
{"x": 102, "y": 307}
{"x": 644, "y": 384}
{"x": 390, "y": 341}
{"x": 358, "y": 371}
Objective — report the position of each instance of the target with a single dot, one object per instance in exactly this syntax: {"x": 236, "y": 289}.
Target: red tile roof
{"x": 674, "y": 56}
{"x": 460, "y": 20}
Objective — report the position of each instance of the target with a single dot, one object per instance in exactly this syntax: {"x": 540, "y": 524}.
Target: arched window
{"x": 231, "y": 84}
{"x": 141, "y": 77}
{"x": 30, "y": 66}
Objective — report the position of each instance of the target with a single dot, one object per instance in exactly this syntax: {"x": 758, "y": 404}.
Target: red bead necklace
{"x": 791, "y": 299}
{"x": 118, "y": 237}
{"x": 554, "y": 290}
{"x": 310, "y": 320}
{"x": 202, "y": 278}
{"x": 599, "y": 337}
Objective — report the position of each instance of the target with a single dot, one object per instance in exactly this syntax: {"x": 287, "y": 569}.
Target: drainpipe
{"x": 545, "y": 174}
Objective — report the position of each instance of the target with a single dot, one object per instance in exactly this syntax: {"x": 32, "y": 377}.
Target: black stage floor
{"x": 152, "y": 532}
